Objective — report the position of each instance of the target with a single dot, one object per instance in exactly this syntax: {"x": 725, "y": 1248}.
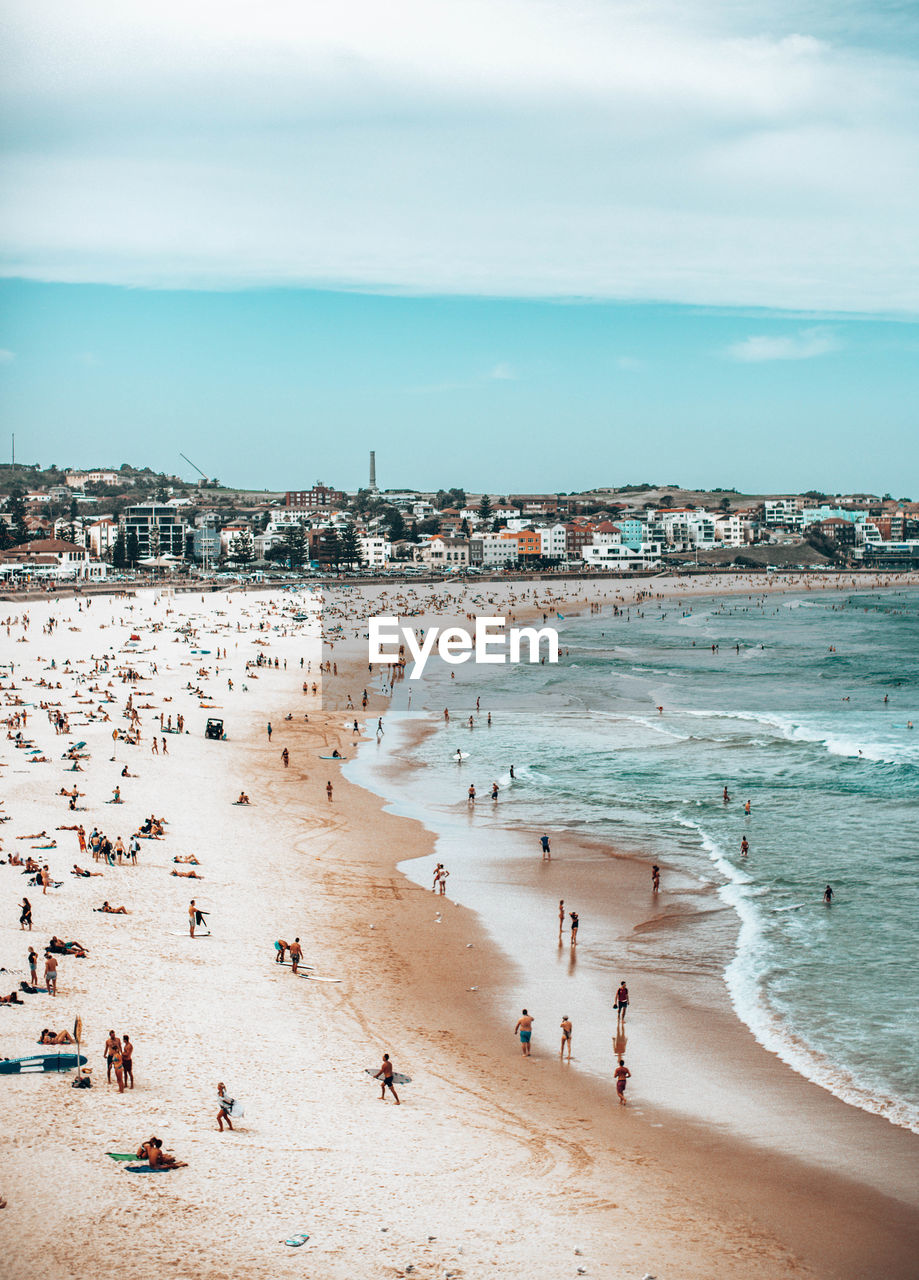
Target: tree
{"x": 6, "y": 538}
{"x": 132, "y": 550}
{"x": 395, "y": 525}
{"x": 725, "y": 504}
{"x": 242, "y": 548}
{"x": 485, "y": 507}
{"x": 666, "y": 501}
{"x": 17, "y": 509}
{"x": 412, "y": 535}
{"x": 464, "y": 527}
{"x": 348, "y": 548}
{"x": 119, "y": 553}
{"x": 295, "y": 545}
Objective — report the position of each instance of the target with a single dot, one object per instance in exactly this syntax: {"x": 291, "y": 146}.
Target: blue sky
{"x": 507, "y": 244}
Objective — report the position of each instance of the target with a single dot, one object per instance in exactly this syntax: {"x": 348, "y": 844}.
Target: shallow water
{"x": 788, "y": 712}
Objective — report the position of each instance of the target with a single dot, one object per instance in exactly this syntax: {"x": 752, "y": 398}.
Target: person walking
{"x": 33, "y": 967}
{"x": 621, "y": 1002}
{"x": 622, "y": 1073}
{"x": 524, "y": 1029}
{"x": 385, "y": 1076}
{"x": 224, "y": 1107}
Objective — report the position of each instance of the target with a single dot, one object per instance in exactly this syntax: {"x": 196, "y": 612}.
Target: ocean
{"x": 780, "y": 699}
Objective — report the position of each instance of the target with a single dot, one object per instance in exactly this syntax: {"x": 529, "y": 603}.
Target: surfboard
{"x": 121, "y": 1155}
{"x": 397, "y": 1076}
{"x": 41, "y": 1062}
{"x": 296, "y": 1241}
{"x": 147, "y": 1168}
{"x": 315, "y": 977}
{"x": 333, "y": 757}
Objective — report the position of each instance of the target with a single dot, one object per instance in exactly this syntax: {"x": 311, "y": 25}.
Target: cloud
{"x": 502, "y": 372}
{"x": 658, "y": 152}
{"x": 807, "y": 344}
{"x": 7, "y": 357}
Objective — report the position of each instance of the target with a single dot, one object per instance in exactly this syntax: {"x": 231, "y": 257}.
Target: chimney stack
{"x": 373, "y": 471}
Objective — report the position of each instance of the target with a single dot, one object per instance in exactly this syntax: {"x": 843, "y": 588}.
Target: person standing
{"x": 385, "y": 1076}
{"x": 328, "y": 791}
{"x": 744, "y": 847}
{"x": 269, "y": 730}
{"x": 524, "y": 1029}
{"x": 827, "y": 896}
{"x": 296, "y": 954}
{"x": 192, "y": 915}
{"x": 567, "y": 1029}
{"x": 111, "y": 1045}
{"x": 118, "y": 1065}
{"x": 470, "y": 794}
{"x": 655, "y": 878}
{"x": 575, "y": 923}
{"x": 546, "y": 851}
{"x": 561, "y": 916}
{"x": 50, "y": 973}
{"x": 33, "y": 967}
{"x": 285, "y": 756}
{"x": 622, "y": 1073}
{"x": 127, "y": 1059}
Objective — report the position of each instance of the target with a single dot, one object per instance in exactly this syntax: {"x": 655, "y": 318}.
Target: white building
{"x": 77, "y": 479}
{"x": 553, "y": 542}
{"x": 730, "y": 531}
{"x": 493, "y": 550}
{"x": 615, "y": 558}
{"x": 100, "y": 535}
{"x": 782, "y": 511}
{"x": 50, "y": 558}
{"x": 443, "y": 552}
{"x": 375, "y": 551}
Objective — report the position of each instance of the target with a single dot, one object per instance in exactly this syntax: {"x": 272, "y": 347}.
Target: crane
{"x": 204, "y": 480}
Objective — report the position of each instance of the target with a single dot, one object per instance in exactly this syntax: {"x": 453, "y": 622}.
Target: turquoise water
{"x": 789, "y": 714}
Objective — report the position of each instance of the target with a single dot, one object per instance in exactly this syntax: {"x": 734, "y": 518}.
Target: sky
{"x": 509, "y": 245}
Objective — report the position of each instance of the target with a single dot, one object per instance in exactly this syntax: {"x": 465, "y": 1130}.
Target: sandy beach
{"x": 726, "y": 1162}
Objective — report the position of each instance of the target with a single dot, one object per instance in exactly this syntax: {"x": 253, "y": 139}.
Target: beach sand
{"x": 493, "y": 1164}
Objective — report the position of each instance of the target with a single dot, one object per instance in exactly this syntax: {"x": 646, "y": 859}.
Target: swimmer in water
{"x": 828, "y": 895}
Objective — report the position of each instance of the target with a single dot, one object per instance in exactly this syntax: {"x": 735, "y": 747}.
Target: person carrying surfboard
{"x": 385, "y": 1075}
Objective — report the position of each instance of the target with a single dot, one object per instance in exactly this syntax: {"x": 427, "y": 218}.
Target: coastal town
{"x": 125, "y": 522}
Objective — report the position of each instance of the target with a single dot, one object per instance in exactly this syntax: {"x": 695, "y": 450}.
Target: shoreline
{"x": 500, "y": 1164}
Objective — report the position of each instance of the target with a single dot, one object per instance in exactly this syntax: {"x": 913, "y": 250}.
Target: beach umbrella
{"x": 78, "y": 1035}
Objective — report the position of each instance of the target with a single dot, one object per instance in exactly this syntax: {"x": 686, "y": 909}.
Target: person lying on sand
{"x": 78, "y": 871}
{"x": 61, "y": 948}
{"x": 189, "y": 857}
{"x": 12, "y": 998}
{"x": 186, "y": 875}
{"x": 55, "y": 1037}
{"x": 36, "y": 835}
{"x": 152, "y": 1150}
{"x": 109, "y": 910}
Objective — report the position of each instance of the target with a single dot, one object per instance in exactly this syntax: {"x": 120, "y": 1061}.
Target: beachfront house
{"x": 52, "y": 559}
